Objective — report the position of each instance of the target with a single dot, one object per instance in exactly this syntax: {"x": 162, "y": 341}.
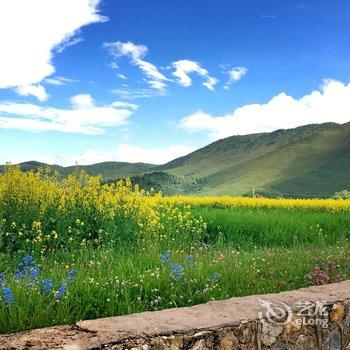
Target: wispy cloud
{"x": 122, "y": 104}
{"x": 128, "y": 93}
{"x": 331, "y": 103}
{"x": 266, "y": 16}
{"x": 136, "y": 53}
{"x": 60, "y": 81}
{"x": 183, "y": 69}
{"x": 35, "y": 31}
{"x": 83, "y": 117}
{"x": 235, "y": 74}
{"x": 121, "y": 76}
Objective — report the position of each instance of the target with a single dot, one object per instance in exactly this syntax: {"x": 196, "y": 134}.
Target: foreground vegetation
{"x": 75, "y": 249}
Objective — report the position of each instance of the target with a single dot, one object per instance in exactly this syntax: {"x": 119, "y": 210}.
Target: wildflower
{"x": 319, "y": 276}
{"x": 19, "y": 275}
{"x": 206, "y": 290}
{"x": 71, "y": 275}
{"x": 176, "y": 271}
{"x": 27, "y": 262}
{"x": 215, "y": 277}
{"x": 46, "y": 285}
{"x": 165, "y": 257}
{"x": 190, "y": 260}
{"x": 8, "y": 295}
{"x": 33, "y": 273}
{"x": 61, "y": 292}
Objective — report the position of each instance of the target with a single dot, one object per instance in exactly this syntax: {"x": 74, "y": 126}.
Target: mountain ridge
{"x": 297, "y": 162}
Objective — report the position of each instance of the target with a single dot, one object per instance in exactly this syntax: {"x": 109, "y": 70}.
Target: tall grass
{"x": 267, "y": 227}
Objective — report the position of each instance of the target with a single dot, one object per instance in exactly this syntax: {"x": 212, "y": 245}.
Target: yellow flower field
{"x": 227, "y": 201}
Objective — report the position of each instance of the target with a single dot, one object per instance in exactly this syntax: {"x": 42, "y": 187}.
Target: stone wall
{"x": 310, "y": 318}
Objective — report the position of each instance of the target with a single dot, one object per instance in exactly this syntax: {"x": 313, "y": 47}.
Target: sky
{"x": 87, "y": 81}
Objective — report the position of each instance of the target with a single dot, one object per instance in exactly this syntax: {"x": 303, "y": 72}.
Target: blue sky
{"x": 87, "y": 80}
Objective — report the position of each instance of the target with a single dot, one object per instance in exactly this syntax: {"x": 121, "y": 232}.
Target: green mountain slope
{"x": 308, "y": 161}
{"x": 108, "y": 170}
{"x": 314, "y": 165}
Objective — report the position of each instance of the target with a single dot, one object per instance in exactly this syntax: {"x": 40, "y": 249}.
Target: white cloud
{"x": 128, "y": 93}
{"x": 122, "y": 104}
{"x": 31, "y": 31}
{"x": 331, "y": 103}
{"x": 235, "y": 74}
{"x": 119, "y": 49}
{"x": 84, "y": 117}
{"x": 37, "y": 91}
{"x": 58, "y": 81}
{"x": 121, "y": 76}
{"x": 184, "y": 67}
{"x": 136, "y": 53}
{"x": 123, "y": 153}
{"x": 82, "y": 101}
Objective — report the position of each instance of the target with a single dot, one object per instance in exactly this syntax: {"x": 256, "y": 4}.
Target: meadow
{"x": 75, "y": 248}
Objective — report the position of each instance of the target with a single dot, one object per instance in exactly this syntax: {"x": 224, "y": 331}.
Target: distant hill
{"x": 108, "y": 170}
{"x": 308, "y": 161}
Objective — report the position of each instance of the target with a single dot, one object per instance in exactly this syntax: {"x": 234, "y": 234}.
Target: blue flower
{"x": 165, "y": 257}
{"x": 176, "y": 271}
{"x": 46, "y": 285}
{"x": 8, "y": 295}
{"x": 19, "y": 275}
{"x": 190, "y": 260}
{"x": 27, "y": 262}
{"x": 215, "y": 277}
{"x": 34, "y": 273}
{"x": 71, "y": 275}
{"x": 61, "y": 292}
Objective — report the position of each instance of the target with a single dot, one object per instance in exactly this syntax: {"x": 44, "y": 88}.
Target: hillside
{"x": 308, "y": 161}
{"x": 108, "y": 170}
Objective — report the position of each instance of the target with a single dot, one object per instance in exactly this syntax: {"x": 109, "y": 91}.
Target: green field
{"x": 241, "y": 252}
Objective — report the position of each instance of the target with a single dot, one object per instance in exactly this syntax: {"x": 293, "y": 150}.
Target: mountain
{"x": 308, "y": 161}
{"x": 312, "y": 160}
{"x": 108, "y": 170}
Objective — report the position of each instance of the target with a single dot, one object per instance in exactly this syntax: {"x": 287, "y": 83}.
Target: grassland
{"x": 76, "y": 249}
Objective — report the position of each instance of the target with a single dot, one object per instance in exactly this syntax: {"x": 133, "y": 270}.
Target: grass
{"x": 249, "y": 228}
{"x": 114, "y": 281}
{"x": 105, "y": 250}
